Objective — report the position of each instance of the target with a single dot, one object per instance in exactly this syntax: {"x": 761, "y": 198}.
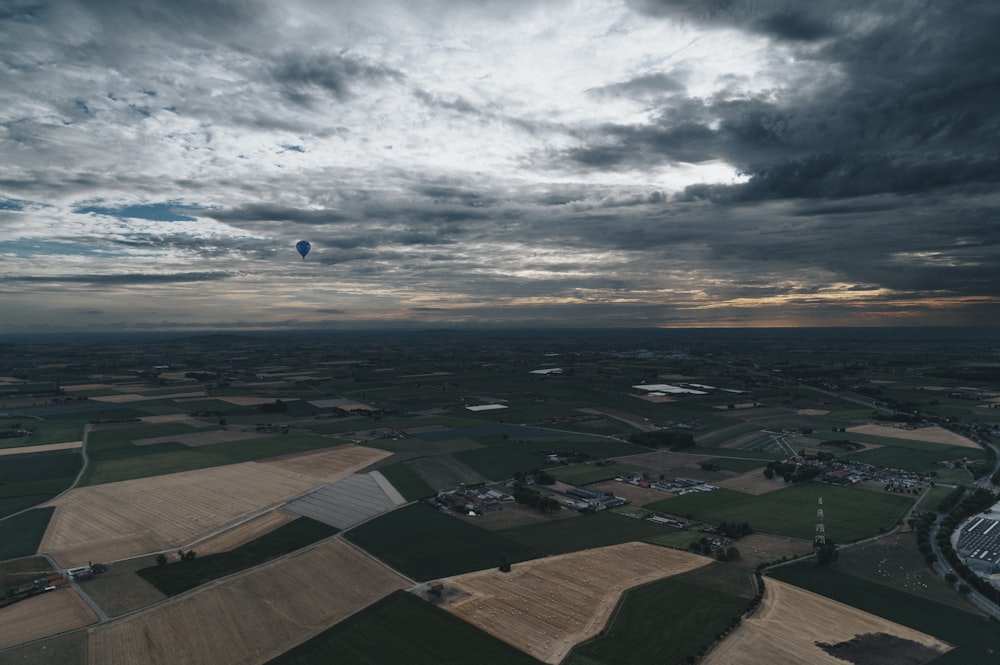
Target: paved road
{"x": 942, "y": 568}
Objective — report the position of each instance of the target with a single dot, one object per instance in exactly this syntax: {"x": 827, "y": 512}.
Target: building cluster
{"x": 836, "y": 472}
{"x": 580, "y": 498}
{"x": 979, "y": 543}
{"x": 473, "y": 499}
{"x": 678, "y": 485}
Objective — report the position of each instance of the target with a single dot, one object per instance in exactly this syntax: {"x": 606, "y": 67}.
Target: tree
{"x": 826, "y": 553}
{"x": 161, "y": 559}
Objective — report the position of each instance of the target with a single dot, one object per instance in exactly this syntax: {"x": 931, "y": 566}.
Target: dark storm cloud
{"x": 641, "y": 87}
{"x": 784, "y": 19}
{"x": 123, "y": 278}
{"x": 915, "y": 105}
{"x": 303, "y": 75}
{"x": 266, "y": 212}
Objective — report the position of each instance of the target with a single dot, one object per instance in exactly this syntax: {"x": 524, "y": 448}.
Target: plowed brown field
{"x": 40, "y": 616}
{"x": 252, "y": 617}
{"x": 132, "y": 517}
{"x": 546, "y": 606}
{"x": 790, "y": 621}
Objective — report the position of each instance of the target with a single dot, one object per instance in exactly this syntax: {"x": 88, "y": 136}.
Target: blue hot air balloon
{"x": 303, "y": 246}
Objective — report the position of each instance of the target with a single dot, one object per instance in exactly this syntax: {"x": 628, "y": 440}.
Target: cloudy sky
{"x": 671, "y": 163}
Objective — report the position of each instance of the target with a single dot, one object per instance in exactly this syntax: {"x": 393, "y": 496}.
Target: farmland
{"x": 30, "y": 479}
{"x": 850, "y": 514}
{"x": 181, "y": 576}
{"x": 401, "y": 628}
{"x": 21, "y": 534}
{"x": 215, "y": 452}
{"x": 117, "y": 520}
{"x": 545, "y": 607}
{"x": 695, "y": 613}
{"x": 40, "y": 616}
{"x": 973, "y": 636}
{"x": 115, "y": 456}
{"x": 306, "y": 592}
{"x": 790, "y": 623}
{"x": 423, "y": 543}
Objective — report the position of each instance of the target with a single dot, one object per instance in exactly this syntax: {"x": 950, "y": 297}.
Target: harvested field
{"x": 254, "y": 401}
{"x": 127, "y": 398}
{"x": 172, "y": 418}
{"x": 789, "y": 623}
{"x": 546, "y": 606}
{"x": 255, "y": 616}
{"x": 932, "y": 434}
{"x": 119, "y": 590}
{"x": 634, "y": 493}
{"x": 762, "y": 548}
{"x": 132, "y": 517}
{"x": 664, "y": 459}
{"x": 752, "y": 482}
{"x": 245, "y": 532}
{"x": 41, "y": 616}
{"x": 195, "y": 439}
{"x": 43, "y": 448}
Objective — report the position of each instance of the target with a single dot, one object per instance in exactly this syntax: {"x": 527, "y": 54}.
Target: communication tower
{"x": 820, "y": 538}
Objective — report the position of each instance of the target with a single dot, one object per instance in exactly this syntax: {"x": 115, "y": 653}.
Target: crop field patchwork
{"x": 40, "y": 616}
{"x": 406, "y": 481}
{"x": 976, "y": 640}
{"x": 666, "y": 621}
{"x": 850, "y": 513}
{"x": 933, "y": 434}
{"x": 244, "y": 532}
{"x": 545, "y": 607}
{"x": 255, "y": 616}
{"x": 402, "y": 628}
{"x": 118, "y": 520}
{"x": 791, "y": 621}
{"x": 348, "y": 501}
{"x": 423, "y": 543}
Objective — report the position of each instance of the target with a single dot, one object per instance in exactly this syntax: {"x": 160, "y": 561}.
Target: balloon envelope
{"x": 303, "y": 247}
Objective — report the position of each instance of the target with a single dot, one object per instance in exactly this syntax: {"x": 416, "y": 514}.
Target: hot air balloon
{"x": 303, "y": 247}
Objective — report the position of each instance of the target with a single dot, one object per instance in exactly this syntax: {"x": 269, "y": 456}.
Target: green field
{"x": 895, "y": 562}
{"x": 178, "y": 577}
{"x": 666, "y": 622}
{"x": 913, "y": 459}
{"x": 402, "y": 629}
{"x": 21, "y": 534}
{"x": 32, "y": 478}
{"x": 760, "y": 456}
{"x": 976, "y": 638}
{"x": 113, "y": 457}
{"x": 407, "y": 482}
{"x": 849, "y": 513}
{"x": 423, "y": 543}
{"x": 584, "y": 532}
{"x": 45, "y": 431}
{"x": 583, "y": 474}
{"x": 502, "y": 459}
{"x": 934, "y": 496}
{"x": 444, "y": 472}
